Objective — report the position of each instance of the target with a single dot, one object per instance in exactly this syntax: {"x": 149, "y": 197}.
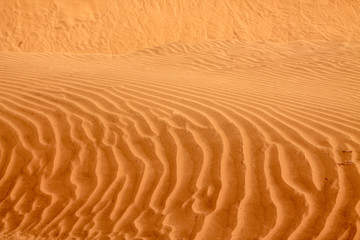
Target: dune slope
{"x": 117, "y": 26}
{"x": 216, "y": 140}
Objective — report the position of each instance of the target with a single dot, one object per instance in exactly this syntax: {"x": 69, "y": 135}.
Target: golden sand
{"x": 239, "y": 120}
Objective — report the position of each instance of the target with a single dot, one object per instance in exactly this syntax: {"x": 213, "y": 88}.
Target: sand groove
{"x": 151, "y": 145}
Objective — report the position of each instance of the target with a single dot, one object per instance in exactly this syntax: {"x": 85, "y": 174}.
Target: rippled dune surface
{"x": 216, "y": 140}
{"x": 179, "y": 119}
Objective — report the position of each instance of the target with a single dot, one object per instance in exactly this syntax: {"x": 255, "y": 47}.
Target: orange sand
{"x": 214, "y": 140}
{"x": 117, "y": 26}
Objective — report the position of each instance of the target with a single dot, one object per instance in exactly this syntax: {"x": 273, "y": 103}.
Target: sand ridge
{"x": 215, "y": 140}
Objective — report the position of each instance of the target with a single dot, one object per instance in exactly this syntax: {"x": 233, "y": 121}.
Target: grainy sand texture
{"x": 180, "y": 119}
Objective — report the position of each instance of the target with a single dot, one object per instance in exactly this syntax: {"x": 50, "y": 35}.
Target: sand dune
{"x": 117, "y": 26}
{"x": 215, "y": 140}
{"x": 204, "y": 120}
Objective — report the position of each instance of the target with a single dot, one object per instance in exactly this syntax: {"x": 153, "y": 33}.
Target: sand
{"x": 118, "y": 26}
{"x": 247, "y": 127}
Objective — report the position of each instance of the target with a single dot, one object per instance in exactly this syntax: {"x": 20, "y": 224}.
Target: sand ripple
{"x": 218, "y": 140}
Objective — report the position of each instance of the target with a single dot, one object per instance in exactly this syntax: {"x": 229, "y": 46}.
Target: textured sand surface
{"x": 116, "y": 26}
{"x": 180, "y": 120}
{"x": 218, "y": 140}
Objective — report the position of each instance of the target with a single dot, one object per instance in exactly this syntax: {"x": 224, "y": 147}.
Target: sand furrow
{"x": 215, "y": 140}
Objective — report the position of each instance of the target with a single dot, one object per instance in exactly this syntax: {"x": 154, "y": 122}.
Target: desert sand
{"x": 205, "y": 120}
